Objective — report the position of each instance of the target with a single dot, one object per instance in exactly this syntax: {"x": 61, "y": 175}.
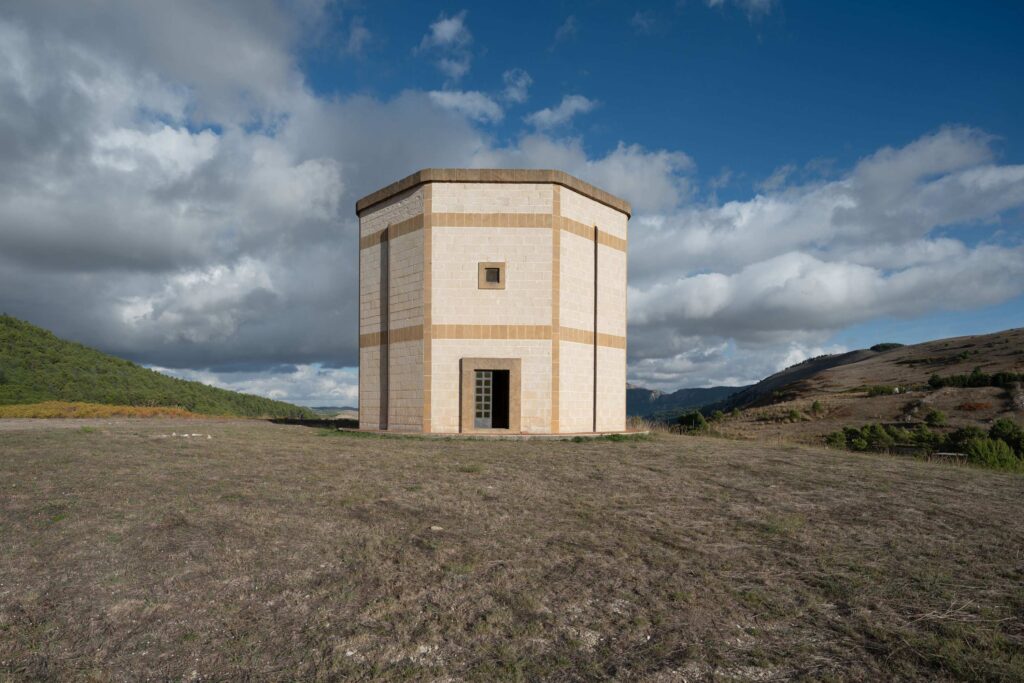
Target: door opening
{"x": 490, "y": 399}
{"x": 499, "y": 413}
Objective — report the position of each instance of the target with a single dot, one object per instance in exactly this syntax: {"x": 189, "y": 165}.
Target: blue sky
{"x": 807, "y": 177}
{"x": 750, "y": 92}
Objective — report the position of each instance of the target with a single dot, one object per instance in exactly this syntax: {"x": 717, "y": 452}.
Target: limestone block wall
{"x": 536, "y": 379}
{"x": 576, "y": 387}
{"x": 611, "y": 389}
{"x": 389, "y": 241}
{"x": 492, "y": 198}
{"x": 526, "y": 298}
{"x": 405, "y": 391}
{"x": 576, "y": 288}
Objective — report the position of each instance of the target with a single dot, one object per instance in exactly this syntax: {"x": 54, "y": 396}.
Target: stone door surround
{"x": 468, "y": 368}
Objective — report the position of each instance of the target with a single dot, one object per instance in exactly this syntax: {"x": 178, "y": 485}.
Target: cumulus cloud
{"x": 517, "y": 85}
{"x": 165, "y": 201}
{"x": 473, "y": 104}
{"x": 796, "y": 264}
{"x": 570, "y": 106}
{"x": 450, "y": 38}
{"x": 309, "y": 385}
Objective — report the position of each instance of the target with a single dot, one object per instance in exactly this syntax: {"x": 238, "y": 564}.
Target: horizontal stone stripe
{"x": 612, "y": 341}
{"x": 542, "y": 332}
{"x": 610, "y": 240}
{"x": 529, "y": 332}
{"x": 395, "y": 336}
{"x": 493, "y": 220}
{"x": 393, "y": 231}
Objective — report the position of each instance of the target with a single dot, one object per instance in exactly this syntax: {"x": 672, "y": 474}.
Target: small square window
{"x": 491, "y": 276}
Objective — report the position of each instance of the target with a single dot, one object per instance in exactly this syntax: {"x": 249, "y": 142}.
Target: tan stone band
{"x": 530, "y": 332}
{"x": 392, "y": 231}
{"x": 493, "y": 220}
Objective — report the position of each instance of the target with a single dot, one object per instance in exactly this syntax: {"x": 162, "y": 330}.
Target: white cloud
{"x": 777, "y": 179}
{"x": 799, "y": 263}
{"x": 567, "y": 30}
{"x": 517, "y": 85}
{"x": 570, "y": 106}
{"x": 652, "y": 180}
{"x": 310, "y": 385}
{"x": 448, "y": 32}
{"x": 472, "y": 104}
{"x": 450, "y": 37}
{"x": 753, "y": 8}
{"x": 172, "y": 207}
{"x": 358, "y": 37}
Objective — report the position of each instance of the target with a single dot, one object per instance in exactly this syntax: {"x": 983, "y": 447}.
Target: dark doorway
{"x": 499, "y": 415}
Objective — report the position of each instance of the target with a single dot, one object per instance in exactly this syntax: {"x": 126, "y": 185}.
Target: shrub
{"x": 836, "y": 440}
{"x": 877, "y": 437}
{"x": 735, "y": 412}
{"x": 817, "y": 408}
{"x": 935, "y": 418}
{"x": 886, "y": 346}
{"x": 957, "y": 440}
{"x": 922, "y": 436}
{"x": 977, "y": 378}
{"x": 1010, "y": 433}
{"x": 717, "y": 416}
{"x": 693, "y": 421}
{"x": 882, "y": 390}
{"x": 858, "y": 444}
{"x": 990, "y": 453}
{"x": 794, "y": 415}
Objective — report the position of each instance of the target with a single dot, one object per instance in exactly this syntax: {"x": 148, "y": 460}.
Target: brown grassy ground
{"x": 274, "y": 552}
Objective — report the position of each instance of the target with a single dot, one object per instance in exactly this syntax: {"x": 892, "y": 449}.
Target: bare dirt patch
{"x": 276, "y": 552}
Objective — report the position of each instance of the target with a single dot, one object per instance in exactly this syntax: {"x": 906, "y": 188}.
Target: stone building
{"x": 492, "y": 301}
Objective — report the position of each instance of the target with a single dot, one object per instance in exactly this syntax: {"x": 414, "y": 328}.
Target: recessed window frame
{"x": 482, "y": 269}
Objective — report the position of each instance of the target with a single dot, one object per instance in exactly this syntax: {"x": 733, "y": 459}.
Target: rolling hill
{"x": 36, "y": 366}
{"x": 970, "y": 381}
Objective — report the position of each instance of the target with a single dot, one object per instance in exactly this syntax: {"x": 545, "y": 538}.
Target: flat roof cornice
{"x": 493, "y": 175}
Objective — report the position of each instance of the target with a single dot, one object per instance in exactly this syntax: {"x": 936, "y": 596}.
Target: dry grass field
{"x": 254, "y": 551}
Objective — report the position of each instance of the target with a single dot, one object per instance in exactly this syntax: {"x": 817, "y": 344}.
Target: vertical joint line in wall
{"x": 556, "y": 267}
{"x": 428, "y": 317}
{"x": 385, "y": 327}
{"x": 595, "y": 328}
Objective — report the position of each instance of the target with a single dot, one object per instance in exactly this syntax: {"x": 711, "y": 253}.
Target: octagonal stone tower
{"x": 492, "y": 301}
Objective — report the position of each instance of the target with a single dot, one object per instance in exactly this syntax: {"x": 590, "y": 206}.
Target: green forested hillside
{"x": 37, "y": 366}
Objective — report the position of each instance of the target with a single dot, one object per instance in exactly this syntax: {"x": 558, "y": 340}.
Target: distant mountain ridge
{"x": 659, "y": 405}
{"x": 766, "y": 389}
{"x": 37, "y": 366}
